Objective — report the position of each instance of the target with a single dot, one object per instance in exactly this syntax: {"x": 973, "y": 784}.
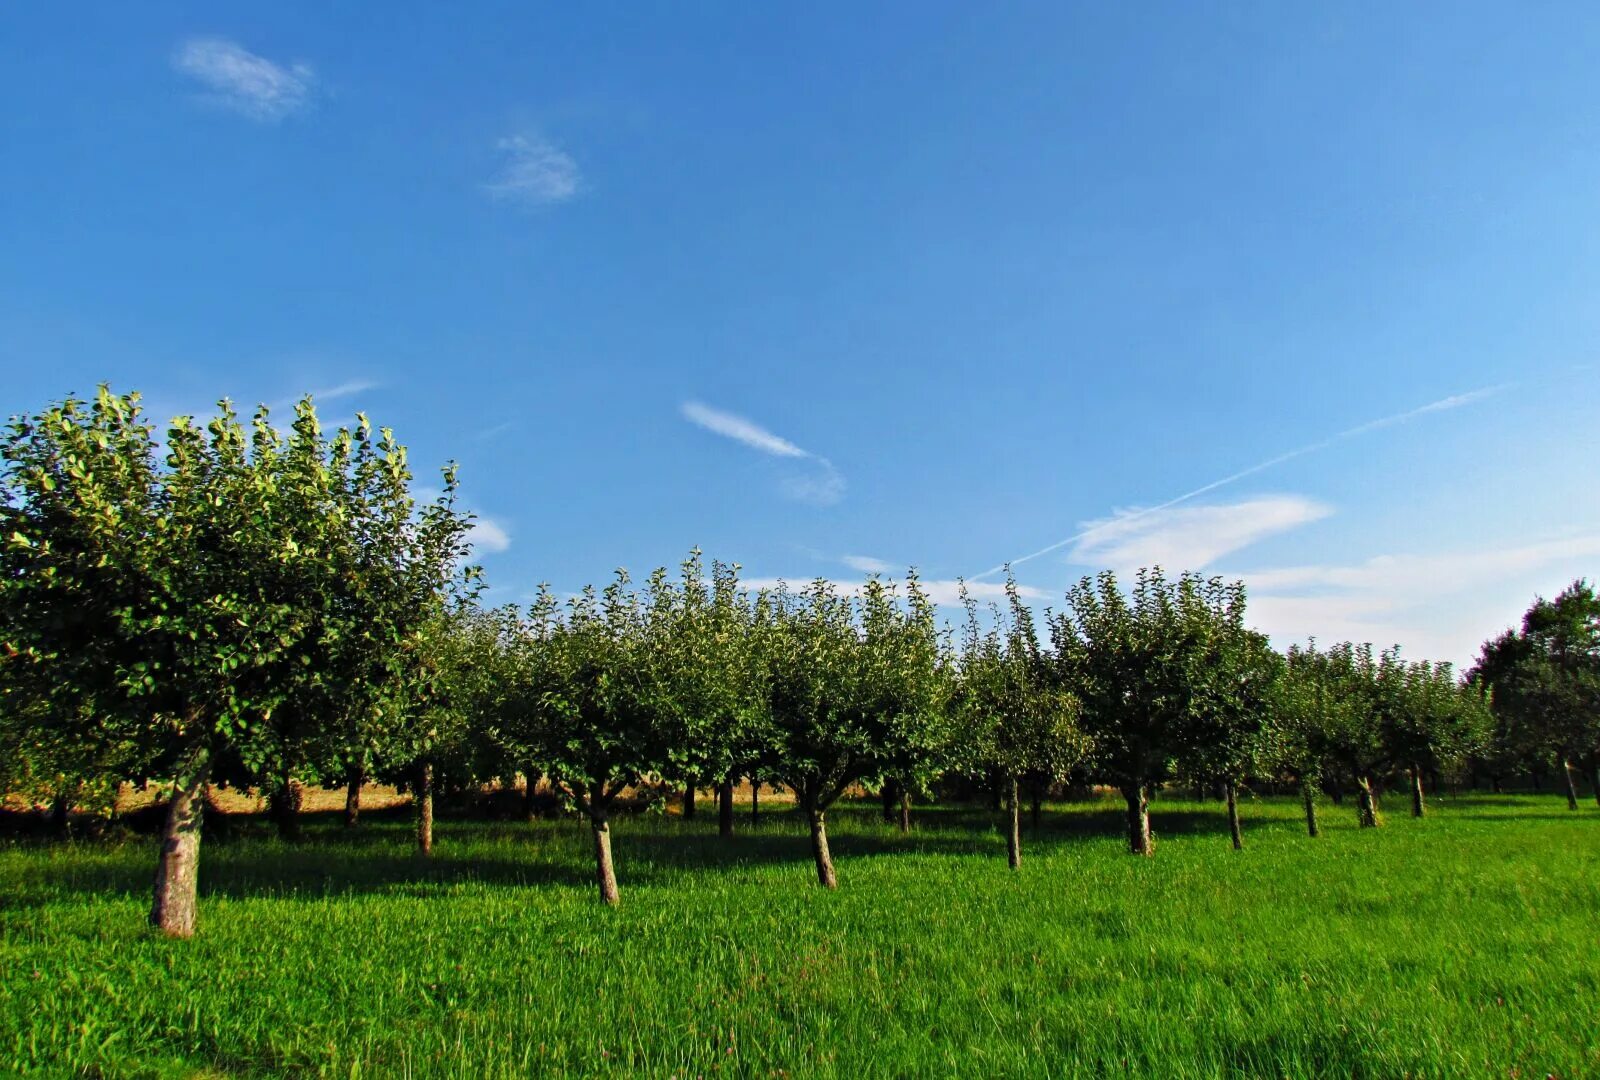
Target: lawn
{"x": 1464, "y": 944}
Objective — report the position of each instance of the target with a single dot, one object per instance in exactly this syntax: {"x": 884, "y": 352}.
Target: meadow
{"x": 1466, "y": 943}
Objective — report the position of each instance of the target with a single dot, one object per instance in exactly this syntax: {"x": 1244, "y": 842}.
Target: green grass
{"x": 1465, "y": 944}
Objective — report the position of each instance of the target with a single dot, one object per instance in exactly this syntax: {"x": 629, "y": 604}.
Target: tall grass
{"x": 1464, "y": 944}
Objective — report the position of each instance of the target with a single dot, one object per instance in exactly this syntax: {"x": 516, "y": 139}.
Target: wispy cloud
{"x": 344, "y": 390}
{"x": 489, "y": 536}
{"x": 866, "y": 564}
{"x": 1454, "y": 401}
{"x": 822, "y": 487}
{"x": 490, "y": 432}
{"x": 1190, "y": 537}
{"x": 1439, "y": 605}
{"x": 741, "y": 430}
{"x": 238, "y": 79}
{"x": 533, "y": 172}
{"x": 819, "y": 484}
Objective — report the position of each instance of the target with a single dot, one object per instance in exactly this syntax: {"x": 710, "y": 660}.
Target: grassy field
{"x": 1465, "y": 944}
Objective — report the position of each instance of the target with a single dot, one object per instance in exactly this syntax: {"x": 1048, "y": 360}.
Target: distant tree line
{"x": 274, "y": 607}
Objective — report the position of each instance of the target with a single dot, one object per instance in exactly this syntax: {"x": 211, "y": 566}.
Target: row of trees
{"x": 273, "y": 607}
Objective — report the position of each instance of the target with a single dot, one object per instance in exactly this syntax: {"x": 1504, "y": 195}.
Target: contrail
{"x": 1455, "y": 401}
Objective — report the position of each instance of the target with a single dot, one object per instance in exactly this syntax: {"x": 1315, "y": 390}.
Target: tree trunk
{"x": 284, "y": 803}
{"x": 1038, "y": 800}
{"x": 755, "y": 800}
{"x": 60, "y": 816}
{"x": 530, "y": 792}
{"x": 905, "y": 809}
{"x": 1418, "y": 806}
{"x": 1366, "y": 805}
{"x": 1494, "y": 784}
{"x": 887, "y": 794}
{"x": 1139, "y": 841}
{"x": 605, "y": 872}
{"x": 424, "y": 797}
{"x": 1013, "y": 826}
{"x": 352, "y": 796}
{"x": 1231, "y": 792}
{"x": 819, "y": 849}
{"x": 1572, "y": 789}
{"x": 1309, "y": 796}
{"x": 688, "y": 798}
{"x": 725, "y": 808}
{"x": 1594, "y": 782}
{"x": 173, "y": 911}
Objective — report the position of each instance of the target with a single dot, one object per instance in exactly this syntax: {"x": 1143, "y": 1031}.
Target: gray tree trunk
{"x": 1310, "y": 798}
{"x": 905, "y": 809}
{"x": 1594, "y": 782}
{"x": 1138, "y": 799}
{"x": 688, "y": 798}
{"x": 352, "y": 797}
{"x": 819, "y": 849}
{"x": 1572, "y": 788}
{"x": 174, "y": 908}
{"x": 1366, "y": 804}
{"x": 1418, "y": 804}
{"x": 425, "y": 808}
{"x": 755, "y": 800}
{"x": 605, "y": 872}
{"x": 1013, "y": 826}
{"x": 1231, "y": 792}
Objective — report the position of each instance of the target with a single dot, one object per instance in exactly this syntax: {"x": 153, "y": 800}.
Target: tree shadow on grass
{"x": 379, "y": 857}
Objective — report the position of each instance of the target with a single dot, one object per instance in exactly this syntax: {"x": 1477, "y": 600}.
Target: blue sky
{"x": 864, "y": 286}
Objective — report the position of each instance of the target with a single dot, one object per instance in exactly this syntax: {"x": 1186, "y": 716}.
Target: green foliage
{"x": 230, "y": 587}
{"x": 1311, "y": 707}
{"x": 854, "y": 690}
{"x": 1165, "y": 673}
{"x": 1015, "y": 715}
{"x": 710, "y": 673}
{"x": 1439, "y": 723}
{"x": 1545, "y": 682}
{"x": 1352, "y": 677}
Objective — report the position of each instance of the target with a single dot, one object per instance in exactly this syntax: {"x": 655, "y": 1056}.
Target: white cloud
{"x": 533, "y": 172}
{"x": 817, "y": 482}
{"x": 489, "y": 536}
{"x": 866, "y": 564}
{"x": 1437, "y": 606}
{"x": 1454, "y": 401}
{"x": 741, "y": 430}
{"x": 244, "y": 82}
{"x": 1190, "y": 538}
